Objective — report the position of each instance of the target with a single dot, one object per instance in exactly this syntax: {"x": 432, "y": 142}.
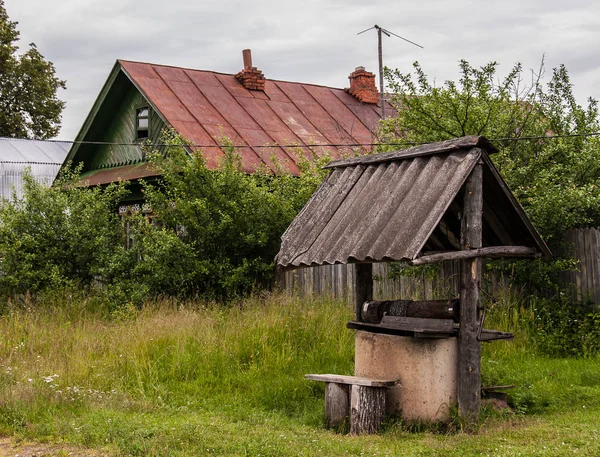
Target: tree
{"x": 546, "y": 154}
{"x": 29, "y": 106}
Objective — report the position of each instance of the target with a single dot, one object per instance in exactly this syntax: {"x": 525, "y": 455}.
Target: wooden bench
{"x": 361, "y": 400}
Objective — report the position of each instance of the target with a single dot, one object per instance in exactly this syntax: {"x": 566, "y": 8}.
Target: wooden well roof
{"x": 396, "y": 206}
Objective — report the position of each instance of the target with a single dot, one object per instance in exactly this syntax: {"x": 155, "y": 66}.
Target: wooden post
{"x": 337, "y": 405}
{"x": 363, "y": 274}
{"x": 469, "y": 358}
{"x": 367, "y": 409}
{"x": 279, "y": 279}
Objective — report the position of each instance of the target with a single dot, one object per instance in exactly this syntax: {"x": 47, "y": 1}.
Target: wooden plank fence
{"x": 584, "y": 246}
{"x": 337, "y": 280}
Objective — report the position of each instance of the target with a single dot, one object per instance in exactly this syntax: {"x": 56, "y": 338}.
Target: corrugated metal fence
{"x": 11, "y": 176}
{"x": 337, "y": 280}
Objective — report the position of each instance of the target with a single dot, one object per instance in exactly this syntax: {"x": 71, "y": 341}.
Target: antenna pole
{"x": 381, "y": 30}
{"x": 380, "y": 51}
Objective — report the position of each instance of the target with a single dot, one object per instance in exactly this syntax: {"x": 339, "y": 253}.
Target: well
{"x": 426, "y": 369}
{"x": 432, "y": 203}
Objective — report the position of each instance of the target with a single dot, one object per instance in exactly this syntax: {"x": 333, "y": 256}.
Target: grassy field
{"x": 207, "y": 380}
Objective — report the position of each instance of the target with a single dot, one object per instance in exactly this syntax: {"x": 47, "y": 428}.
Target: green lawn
{"x": 204, "y": 380}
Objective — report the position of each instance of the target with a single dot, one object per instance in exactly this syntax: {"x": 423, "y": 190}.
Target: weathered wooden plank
{"x": 469, "y": 360}
{"x": 393, "y": 330}
{"x": 580, "y": 246}
{"x": 343, "y": 282}
{"x": 497, "y": 388}
{"x": 581, "y": 251}
{"x": 578, "y": 283}
{"x": 351, "y": 284}
{"x": 318, "y": 276}
{"x": 337, "y": 404}
{"x": 588, "y": 246}
{"x": 352, "y": 380}
{"x": 426, "y": 149}
{"x": 593, "y": 273}
{"x": 589, "y": 242}
{"x": 490, "y": 252}
{"x": 418, "y": 324}
{"x": 588, "y": 262}
{"x": 493, "y": 335}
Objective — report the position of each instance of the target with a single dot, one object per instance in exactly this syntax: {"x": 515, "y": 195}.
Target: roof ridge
{"x": 34, "y": 139}
{"x": 445, "y": 146}
{"x": 224, "y": 73}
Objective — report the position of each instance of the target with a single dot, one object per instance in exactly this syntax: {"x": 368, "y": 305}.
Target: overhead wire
{"x": 315, "y": 145}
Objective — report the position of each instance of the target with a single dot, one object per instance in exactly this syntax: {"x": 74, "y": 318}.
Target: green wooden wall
{"x": 116, "y": 123}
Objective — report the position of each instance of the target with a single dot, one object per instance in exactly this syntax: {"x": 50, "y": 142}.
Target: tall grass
{"x": 253, "y": 354}
{"x": 192, "y": 378}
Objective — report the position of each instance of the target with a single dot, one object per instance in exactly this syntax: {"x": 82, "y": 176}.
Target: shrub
{"x": 216, "y": 234}
{"x": 60, "y": 236}
{"x": 228, "y": 222}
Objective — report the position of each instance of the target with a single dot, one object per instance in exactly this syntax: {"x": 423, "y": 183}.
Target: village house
{"x": 140, "y": 100}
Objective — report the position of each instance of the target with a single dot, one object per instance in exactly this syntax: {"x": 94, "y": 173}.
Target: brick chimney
{"x": 250, "y": 77}
{"x": 362, "y": 86}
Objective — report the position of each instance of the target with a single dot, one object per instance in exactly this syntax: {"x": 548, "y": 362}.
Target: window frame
{"x": 138, "y": 109}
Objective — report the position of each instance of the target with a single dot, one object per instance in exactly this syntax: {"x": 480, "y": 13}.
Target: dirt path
{"x": 11, "y": 448}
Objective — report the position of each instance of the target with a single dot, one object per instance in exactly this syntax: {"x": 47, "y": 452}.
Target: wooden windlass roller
{"x": 373, "y": 311}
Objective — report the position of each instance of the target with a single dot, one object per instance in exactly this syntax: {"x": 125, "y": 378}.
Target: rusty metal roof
{"x": 394, "y": 206}
{"x": 116, "y": 174}
{"x": 204, "y": 106}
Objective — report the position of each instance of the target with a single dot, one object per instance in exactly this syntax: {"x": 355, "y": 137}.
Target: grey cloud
{"x": 312, "y": 41}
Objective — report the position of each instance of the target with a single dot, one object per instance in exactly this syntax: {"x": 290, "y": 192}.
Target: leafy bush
{"x": 562, "y": 330}
{"x": 228, "y": 222}
{"x": 59, "y": 236}
{"x": 158, "y": 263}
{"x": 216, "y": 234}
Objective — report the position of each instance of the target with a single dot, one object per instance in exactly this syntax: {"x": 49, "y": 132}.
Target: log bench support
{"x": 361, "y": 400}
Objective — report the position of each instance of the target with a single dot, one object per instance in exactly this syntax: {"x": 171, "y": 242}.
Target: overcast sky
{"x": 308, "y": 41}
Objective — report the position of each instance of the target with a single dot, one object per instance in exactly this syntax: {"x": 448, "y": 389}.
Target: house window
{"x": 142, "y": 123}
